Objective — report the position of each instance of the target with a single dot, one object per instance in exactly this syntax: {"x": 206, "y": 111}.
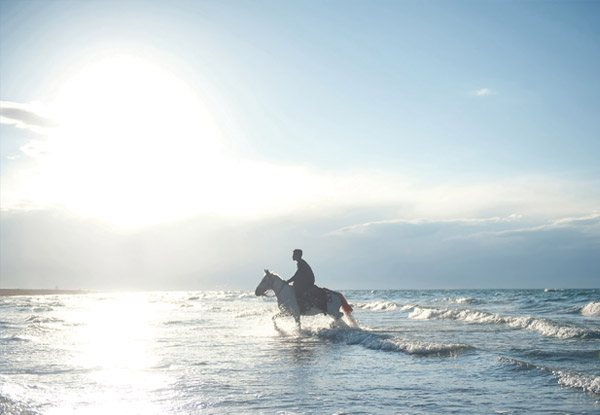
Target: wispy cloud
{"x": 364, "y": 227}
{"x": 516, "y": 225}
{"x": 25, "y": 116}
{"x": 483, "y": 92}
{"x": 587, "y": 221}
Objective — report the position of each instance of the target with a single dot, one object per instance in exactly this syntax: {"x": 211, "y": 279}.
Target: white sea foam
{"x": 591, "y": 309}
{"x": 8, "y": 407}
{"x": 14, "y": 398}
{"x": 541, "y": 325}
{"x": 588, "y": 383}
{"x": 250, "y": 313}
{"x": 429, "y": 313}
{"x": 377, "y": 341}
{"x": 571, "y": 379}
{"x": 547, "y": 327}
{"x": 377, "y": 306}
{"x": 426, "y": 348}
{"x": 458, "y": 300}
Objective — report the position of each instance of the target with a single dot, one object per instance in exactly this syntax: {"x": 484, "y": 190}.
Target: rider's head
{"x": 297, "y": 254}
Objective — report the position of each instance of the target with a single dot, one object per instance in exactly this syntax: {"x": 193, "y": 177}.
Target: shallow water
{"x": 416, "y": 352}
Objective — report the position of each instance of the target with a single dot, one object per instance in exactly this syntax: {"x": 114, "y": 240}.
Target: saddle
{"x": 315, "y": 297}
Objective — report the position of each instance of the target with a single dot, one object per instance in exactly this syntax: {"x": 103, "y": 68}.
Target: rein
{"x": 272, "y": 289}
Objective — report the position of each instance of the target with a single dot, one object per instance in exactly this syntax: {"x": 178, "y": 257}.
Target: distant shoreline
{"x": 8, "y": 292}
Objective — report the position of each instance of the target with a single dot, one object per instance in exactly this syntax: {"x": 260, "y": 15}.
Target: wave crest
{"x": 376, "y": 341}
{"x": 591, "y": 309}
{"x": 458, "y": 300}
{"x": 588, "y": 383}
{"x": 377, "y": 306}
{"x": 543, "y": 326}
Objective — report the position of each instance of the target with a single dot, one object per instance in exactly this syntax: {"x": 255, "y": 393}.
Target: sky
{"x": 184, "y": 145}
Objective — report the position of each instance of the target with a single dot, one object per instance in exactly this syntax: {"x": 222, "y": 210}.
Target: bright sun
{"x": 136, "y": 145}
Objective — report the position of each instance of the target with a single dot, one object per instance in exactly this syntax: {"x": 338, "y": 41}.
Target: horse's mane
{"x": 276, "y": 275}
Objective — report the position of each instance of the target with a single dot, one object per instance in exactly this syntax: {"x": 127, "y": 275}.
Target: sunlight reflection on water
{"x": 114, "y": 340}
{"x": 219, "y": 352}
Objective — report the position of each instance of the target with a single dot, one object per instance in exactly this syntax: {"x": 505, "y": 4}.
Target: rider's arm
{"x": 294, "y": 276}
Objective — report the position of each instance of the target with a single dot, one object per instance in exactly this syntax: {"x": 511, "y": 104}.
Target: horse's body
{"x": 288, "y": 305}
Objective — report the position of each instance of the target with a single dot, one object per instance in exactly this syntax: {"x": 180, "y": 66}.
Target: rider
{"x": 303, "y": 280}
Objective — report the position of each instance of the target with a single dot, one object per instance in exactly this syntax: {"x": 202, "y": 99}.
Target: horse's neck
{"x": 281, "y": 288}
{"x": 278, "y": 284}
{"x": 285, "y": 295}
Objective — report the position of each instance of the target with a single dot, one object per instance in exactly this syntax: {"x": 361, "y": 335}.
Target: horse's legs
{"x": 275, "y": 317}
{"x": 297, "y": 318}
{"x": 338, "y": 321}
{"x": 282, "y": 314}
{"x": 353, "y": 322}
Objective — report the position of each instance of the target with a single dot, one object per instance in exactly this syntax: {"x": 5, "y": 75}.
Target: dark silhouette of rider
{"x": 303, "y": 280}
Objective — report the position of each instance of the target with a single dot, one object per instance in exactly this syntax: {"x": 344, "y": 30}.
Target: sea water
{"x": 414, "y": 352}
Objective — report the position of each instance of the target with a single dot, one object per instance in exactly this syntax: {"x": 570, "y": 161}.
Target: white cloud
{"x": 364, "y": 227}
{"x": 29, "y": 116}
{"x": 483, "y": 92}
{"x": 585, "y": 223}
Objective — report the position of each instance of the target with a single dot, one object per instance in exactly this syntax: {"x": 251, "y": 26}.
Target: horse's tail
{"x": 345, "y": 306}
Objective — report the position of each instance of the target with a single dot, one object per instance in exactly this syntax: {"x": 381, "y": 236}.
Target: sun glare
{"x": 136, "y": 143}
{"x": 113, "y": 341}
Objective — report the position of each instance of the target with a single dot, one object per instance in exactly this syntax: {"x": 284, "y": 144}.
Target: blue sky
{"x": 404, "y": 144}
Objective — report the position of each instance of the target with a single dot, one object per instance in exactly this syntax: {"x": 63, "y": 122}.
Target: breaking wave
{"x": 9, "y": 407}
{"x": 458, "y": 300}
{"x": 543, "y": 326}
{"x": 588, "y": 383}
{"x": 377, "y": 306}
{"x": 376, "y": 341}
{"x": 591, "y": 309}
{"x": 37, "y": 319}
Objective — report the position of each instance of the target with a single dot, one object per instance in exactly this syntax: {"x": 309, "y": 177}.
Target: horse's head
{"x": 265, "y": 284}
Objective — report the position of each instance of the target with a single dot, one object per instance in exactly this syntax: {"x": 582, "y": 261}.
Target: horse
{"x": 288, "y": 305}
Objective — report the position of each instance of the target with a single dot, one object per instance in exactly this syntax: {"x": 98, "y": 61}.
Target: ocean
{"x": 414, "y": 352}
